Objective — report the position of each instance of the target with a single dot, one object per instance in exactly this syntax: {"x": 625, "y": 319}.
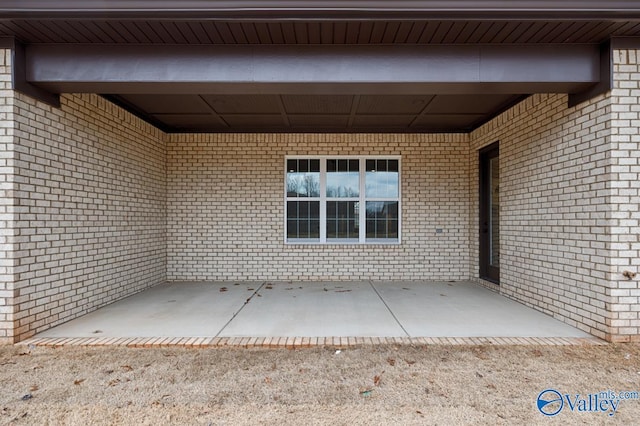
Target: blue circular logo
{"x": 550, "y": 402}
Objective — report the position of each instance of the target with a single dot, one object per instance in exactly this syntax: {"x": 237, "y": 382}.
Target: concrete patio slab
{"x": 176, "y": 309}
{"x": 465, "y": 309}
{"x": 315, "y": 309}
{"x": 221, "y": 310}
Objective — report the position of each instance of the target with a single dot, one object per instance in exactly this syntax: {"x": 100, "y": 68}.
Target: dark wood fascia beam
{"x": 18, "y": 71}
{"x": 606, "y": 77}
{"x": 329, "y": 69}
{"x": 7, "y": 42}
{"x": 606, "y": 68}
{"x": 624, "y": 43}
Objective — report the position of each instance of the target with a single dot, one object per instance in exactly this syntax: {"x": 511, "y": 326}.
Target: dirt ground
{"x": 443, "y": 385}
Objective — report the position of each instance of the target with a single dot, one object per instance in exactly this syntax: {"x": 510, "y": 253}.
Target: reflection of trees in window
{"x": 341, "y": 192}
{"x": 303, "y": 178}
{"x": 343, "y": 178}
{"x": 307, "y": 185}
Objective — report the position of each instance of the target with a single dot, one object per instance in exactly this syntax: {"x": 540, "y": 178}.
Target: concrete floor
{"x": 359, "y": 309}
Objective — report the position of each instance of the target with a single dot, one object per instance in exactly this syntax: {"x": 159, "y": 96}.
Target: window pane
{"x": 292, "y": 228}
{"x": 382, "y": 219}
{"x": 342, "y": 219}
{"x": 494, "y": 215}
{"x": 381, "y": 179}
{"x": 343, "y": 179}
{"x": 303, "y": 178}
{"x": 303, "y": 219}
{"x": 303, "y": 228}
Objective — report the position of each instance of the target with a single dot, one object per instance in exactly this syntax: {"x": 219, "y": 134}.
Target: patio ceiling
{"x": 263, "y": 103}
{"x": 317, "y": 113}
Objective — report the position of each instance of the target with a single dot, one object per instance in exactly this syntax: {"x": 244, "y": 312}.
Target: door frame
{"x": 486, "y": 270}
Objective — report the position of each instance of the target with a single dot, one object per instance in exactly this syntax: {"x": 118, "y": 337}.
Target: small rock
{"x": 366, "y": 392}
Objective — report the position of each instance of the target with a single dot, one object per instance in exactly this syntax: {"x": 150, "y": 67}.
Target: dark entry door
{"x": 490, "y": 213}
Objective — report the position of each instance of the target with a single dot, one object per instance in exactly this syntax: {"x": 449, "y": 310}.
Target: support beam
{"x": 18, "y": 70}
{"x": 360, "y": 70}
{"x": 624, "y": 43}
{"x": 606, "y": 77}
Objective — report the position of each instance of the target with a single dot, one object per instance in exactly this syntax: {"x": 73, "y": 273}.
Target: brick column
{"x": 7, "y": 224}
{"x": 624, "y": 292}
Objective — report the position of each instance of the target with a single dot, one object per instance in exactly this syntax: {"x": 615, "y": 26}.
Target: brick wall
{"x": 7, "y": 226}
{"x": 625, "y": 197}
{"x": 91, "y": 216}
{"x": 570, "y": 205}
{"x": 554, "y": 206}
{"x": 226, "y": 209}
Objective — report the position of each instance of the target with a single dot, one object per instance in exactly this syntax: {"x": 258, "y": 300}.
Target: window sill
{"x": 344, "y": 243}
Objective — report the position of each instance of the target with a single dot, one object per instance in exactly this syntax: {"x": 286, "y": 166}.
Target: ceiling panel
{"x": 387, "y": 121}
{"x": 255, "y": 113}
{"x": 310, "y": 32}
{"x": 166, "y": 104}
{"x": 262, "y": 32}
{"x": 491, "y": 32}
{"x": 191, "y": 122}
{"x": 243, "y": 104}
{"x": 128, "y": 32}
{"x": 467, "y": 104}
{"x": 392, "y": 104}
{"x": 254, "y": 121}
{"x": 445, "y": 122}
{"x": 198, "y": 32}
{"x": 275, "y": 33}
{"x": 319, "y": 121}
{"x": 317, "y": 104}
{"x": 238, "y": 33}
{"x": 94, "y": 29}
{"x": 186, "y": 29}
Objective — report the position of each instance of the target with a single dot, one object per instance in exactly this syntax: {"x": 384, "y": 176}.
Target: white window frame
{"x": 362, "y": 199}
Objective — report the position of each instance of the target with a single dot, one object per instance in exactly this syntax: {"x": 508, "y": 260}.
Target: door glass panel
{"x": 494, "y": 214}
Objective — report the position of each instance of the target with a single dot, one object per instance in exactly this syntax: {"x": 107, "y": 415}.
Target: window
{"x": 342, "y": 200}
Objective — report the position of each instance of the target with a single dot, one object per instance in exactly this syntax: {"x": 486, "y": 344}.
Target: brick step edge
{"x": 304, "y": 342}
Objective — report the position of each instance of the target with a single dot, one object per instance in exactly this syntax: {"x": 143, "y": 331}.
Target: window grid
{"x": 344, "y": 218}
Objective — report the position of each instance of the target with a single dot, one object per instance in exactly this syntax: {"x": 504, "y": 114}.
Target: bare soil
{"x": 443, "y": 385}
